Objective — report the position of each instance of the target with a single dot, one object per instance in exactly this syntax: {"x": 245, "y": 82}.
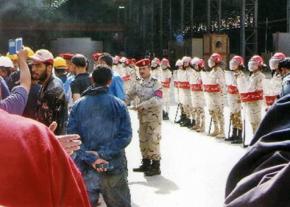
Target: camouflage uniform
{"x": 197, "y": 100}
{"x": 176, "y": 89}
{"x": 150, "y": 94}
{"x": 183, "y": 77}
{"x": 251, "y": 92}
{"x": 234, "y": 100}
{"x": 272, "y": 89}
{"x": 166, "y": 79}
{"x": 214, "y": 92}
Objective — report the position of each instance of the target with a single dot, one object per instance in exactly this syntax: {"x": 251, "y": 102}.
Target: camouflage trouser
{"x": 187, "y": 110}
{"x": 254, "y": 112}
{"x": 198, "y": 115}
{"x": 218, "y": 120}
{"x": 150, "y": 136}
{"x": 236, "y": 120}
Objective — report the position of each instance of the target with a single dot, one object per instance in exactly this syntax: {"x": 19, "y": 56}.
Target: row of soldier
{"x": 198, "y": 87}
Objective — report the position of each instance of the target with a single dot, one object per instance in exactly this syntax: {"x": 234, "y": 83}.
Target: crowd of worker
{"x": 87, "y": 109}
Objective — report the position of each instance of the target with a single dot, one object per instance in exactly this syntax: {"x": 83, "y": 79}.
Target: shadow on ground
{"x": 160, "y": 183}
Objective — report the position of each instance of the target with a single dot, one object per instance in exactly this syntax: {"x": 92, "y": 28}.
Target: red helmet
{"x": 165, "y": 62}
{"x": 96, "y": 56}
{"x": 217, "y": 58}
{"x": 279, "y": 56}
{"x": 239, "y": 60}
{"x": 257, "y": 59}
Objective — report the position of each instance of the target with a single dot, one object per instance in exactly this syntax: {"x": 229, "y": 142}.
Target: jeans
{"x": 115, "y": 190}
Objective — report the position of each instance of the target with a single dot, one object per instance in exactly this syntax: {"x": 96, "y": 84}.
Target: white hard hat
{"x": 6, "y": 62}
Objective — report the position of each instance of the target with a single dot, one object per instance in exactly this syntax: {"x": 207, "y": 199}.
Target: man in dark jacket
{"x": 51, "y": 102}
{"x": 103, "y": 123}
{"x": 261, "y": 177}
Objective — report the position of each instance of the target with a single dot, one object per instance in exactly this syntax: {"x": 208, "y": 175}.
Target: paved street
{"x": 194, "y": 169}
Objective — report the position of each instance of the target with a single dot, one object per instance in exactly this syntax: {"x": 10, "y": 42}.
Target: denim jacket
{"x": 104, "y": 125}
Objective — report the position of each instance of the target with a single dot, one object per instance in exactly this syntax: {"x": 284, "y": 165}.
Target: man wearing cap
{"x": 5, "y": 65}
{"x": 51, "y": 104}
{"x": 82, "y": 79}
{"x": 149, "y": 91}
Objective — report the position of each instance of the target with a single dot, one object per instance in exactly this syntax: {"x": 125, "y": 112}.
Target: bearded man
{"x": 51, "y": 104}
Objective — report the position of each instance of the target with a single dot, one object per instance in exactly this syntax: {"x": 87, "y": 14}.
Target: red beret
{"x": 143, "y": 63}
{"x": 66, "y": 56}
{"x": 96, "y": 56}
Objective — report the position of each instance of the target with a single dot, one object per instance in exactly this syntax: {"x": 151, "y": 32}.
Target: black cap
{"x": 285, "y": 63}
{"x": 79, "y": 60}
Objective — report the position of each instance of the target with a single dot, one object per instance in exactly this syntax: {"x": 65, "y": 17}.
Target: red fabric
{"x": 270, "y": 100}
{"x": 35, "y": 170}
{"x": 251, "y": 96}
{"x": 184, "y": 85}
{"x": 166, "y": 83}
{"x": 158, "y": 93}
{"x": 233, "y": 89}
{"x": 214, "y": 88}
{"x": 196, "y": 87}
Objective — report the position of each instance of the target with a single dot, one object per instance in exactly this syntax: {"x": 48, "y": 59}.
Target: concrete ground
{"x": 194, "y": 168}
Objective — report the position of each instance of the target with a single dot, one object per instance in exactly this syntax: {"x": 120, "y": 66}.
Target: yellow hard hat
{"x": 30, "y": 52}
{"x": 12, "y": 57}
{"x": 59, "y": 63}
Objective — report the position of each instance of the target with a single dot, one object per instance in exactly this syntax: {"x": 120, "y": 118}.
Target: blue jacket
{"x": 117, "y": 86}
{"x": 104, "y": 125}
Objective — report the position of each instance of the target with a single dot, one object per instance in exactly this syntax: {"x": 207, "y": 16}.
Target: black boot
{"x": 182, "y": 117}
{"x": 145, "y": 166}
{"x": 233, "y": 136}
{"x": 154, "y": 169}
{"x": 239, "y": 138}
{"x": 186, "y": 122}
{"x": 192, "y": 124}
{"x": 165, "y": 116}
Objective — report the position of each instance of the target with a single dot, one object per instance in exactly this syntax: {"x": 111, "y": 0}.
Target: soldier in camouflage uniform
{"x": 183, "y": 76}
{"x": 197, "y": 95}
{"x": 156, "y": 69}
{"x": 273, "y": 87}
{"x": 214, "y": 90}
{"x": 149, "y": 91}
{"x": 251, "y": 91}
{"x": 166, "y": 79}
{"x": 234, "y": 101}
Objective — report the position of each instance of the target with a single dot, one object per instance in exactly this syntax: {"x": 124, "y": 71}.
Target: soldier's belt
{"x": 184, "y": 85}
{"x": 126, "y": 78}
{"x": 196, "y": 87}
{"x": 270, "y": 100}
{"x": 212, "y": 88}
{"x": 251, "y": 96}
{"x": 166, "y": 84}
{"x": 232, "y": 89}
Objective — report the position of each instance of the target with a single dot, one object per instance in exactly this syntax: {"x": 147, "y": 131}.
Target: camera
{"x": 15, "y": 45}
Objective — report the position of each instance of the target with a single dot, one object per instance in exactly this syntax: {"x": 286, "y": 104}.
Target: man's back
{"x": 37, "y": 170}
{"x": 101, "y": 119}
